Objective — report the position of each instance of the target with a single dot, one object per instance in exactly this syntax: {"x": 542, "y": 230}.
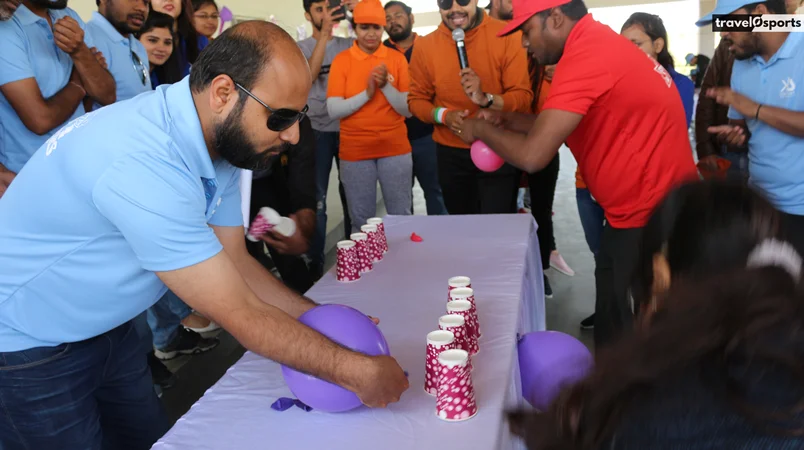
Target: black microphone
{"x": 458, "y": 35}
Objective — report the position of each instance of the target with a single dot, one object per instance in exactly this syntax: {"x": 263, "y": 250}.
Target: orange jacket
{"x": 435, "y": 73}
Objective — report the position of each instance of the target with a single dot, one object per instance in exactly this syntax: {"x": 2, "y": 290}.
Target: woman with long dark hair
{"x": 189, "y": 43}
{"x": 716, "y": 360}
{"x": 648, "y": 33}
{"x": 156, "y": 35}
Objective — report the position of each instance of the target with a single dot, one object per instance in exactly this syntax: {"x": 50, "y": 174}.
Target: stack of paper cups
{"x": 464, "y": 309}
{"x": 458, "y": 282}
{"x": 348, "y": 266}
{"x": 456, "y": 324}
{"x": 373, "y": 240}
{"x": 455, "y": 400}
{"x": 467, "y": 294}
{"x": 364, "y": 253}
{"x": 437, "y": 342}
{"x": 381, "y": 230}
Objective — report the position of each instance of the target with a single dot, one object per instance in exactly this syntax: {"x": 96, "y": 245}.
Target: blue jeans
{"x": 326, "y": 149}
{"x": 739, "y": 165}
{"x": 165, "y": 318}
{"x": 592, "y": 219}
{"x": 425, "y": 168}
{"x": 89, "y": 395}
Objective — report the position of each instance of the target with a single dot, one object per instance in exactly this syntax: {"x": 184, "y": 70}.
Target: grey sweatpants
{"x": 360, "y": 182}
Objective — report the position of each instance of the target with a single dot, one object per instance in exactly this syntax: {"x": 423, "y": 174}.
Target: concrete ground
{"x": 572, "y": 301}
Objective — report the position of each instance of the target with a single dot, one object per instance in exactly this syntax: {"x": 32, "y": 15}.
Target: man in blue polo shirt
{"x": 46, "y": 71}
{"x": 766, "y": 109}
{"x": 136, "y": 198}
{"x": 112, "y": 29}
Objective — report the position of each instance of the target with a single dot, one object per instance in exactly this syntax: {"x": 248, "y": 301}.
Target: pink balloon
{"x": 484, "y": 158}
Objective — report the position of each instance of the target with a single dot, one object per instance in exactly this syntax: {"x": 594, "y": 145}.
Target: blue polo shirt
{"x": 27, "y": 50}
{"x": 113, "y": 205}
{"x": 775, "y": 159}
{"x": 132, "y": 75}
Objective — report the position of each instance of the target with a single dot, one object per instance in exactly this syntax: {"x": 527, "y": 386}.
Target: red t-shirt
{"x": 632, "y": 145}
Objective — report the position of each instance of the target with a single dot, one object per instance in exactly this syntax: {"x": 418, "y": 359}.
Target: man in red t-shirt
{"x": 620, "y": 114}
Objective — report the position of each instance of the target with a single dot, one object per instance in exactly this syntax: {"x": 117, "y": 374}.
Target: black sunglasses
{"x": 447, "y": 4}
{"x": 140, "y": 68}
{"x": 280, "y": 119}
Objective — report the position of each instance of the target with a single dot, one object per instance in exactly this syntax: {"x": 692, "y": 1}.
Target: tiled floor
{"x": 572, "y": 301}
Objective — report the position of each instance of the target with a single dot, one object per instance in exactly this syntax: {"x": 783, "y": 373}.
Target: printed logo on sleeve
{"x": 53, "y": 142}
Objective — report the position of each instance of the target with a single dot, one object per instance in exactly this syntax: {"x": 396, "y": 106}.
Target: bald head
{"x": 245, "y": 52}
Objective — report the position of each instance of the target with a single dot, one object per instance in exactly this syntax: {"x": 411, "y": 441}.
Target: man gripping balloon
{"x": 620, "y": 115}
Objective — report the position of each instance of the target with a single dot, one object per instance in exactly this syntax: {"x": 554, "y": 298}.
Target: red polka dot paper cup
{"x": 455, "y": 401}
{"x": 374, "y": 241}
{"x": 467, "y": 294}
{"x": 381, "y": 230}
{"x": 348, "y": 266}
{"x": 265, "y": 221}
{"x": 364, "y": 253}
{"x": 458, "y": 282}
{"x": 437, "y": 342}
{"x": 464, "y": 309}
{"x": 456, "y": 324}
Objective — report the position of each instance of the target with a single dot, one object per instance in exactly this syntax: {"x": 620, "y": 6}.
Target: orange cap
{"x": 370, "y": 12}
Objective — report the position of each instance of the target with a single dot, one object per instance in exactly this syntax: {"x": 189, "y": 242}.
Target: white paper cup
{"x": 286, "y": 227}
{"x": 460, "y": 282}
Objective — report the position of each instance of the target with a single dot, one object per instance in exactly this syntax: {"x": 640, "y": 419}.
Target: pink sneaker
{"x": 557, "y": 262}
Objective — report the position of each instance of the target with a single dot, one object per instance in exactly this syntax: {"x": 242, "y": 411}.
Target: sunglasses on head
{"x": 280, "y": 119}
{"x": 447, "y": 4}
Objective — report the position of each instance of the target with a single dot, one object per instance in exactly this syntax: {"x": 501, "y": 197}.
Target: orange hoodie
{"x": 435, "y": 78}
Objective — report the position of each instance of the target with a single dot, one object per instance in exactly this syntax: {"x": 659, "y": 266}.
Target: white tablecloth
{"x": 408, "y": 292}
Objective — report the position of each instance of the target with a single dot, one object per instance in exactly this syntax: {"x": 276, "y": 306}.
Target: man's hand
{"x": 454, "y": 120}
{"x": 350, "y": 4}
{"x": 740, "y": 103}
{"x": 381, "y": 382}
{"x": 495, "y": 117}
{"x": 6, "y": 177}
{"x": 472, "y": 86}
{"x": 709, "y": 162}
{"x": 380, "y": 75}
{"x": 288, "y": 245}
{"x": 466, "y": 132}
{"x": 68, "y": 35}
{"x": 331, "y": 17}
{"x": 549, "y": 71}
{"x": 732, "y": 135}
{"x": 99, "y": 56}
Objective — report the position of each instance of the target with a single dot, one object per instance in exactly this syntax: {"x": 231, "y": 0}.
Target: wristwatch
{"x": 490, "y": 101}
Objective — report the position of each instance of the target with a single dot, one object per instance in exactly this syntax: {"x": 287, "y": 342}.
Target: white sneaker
{"x": 212, "y": 327}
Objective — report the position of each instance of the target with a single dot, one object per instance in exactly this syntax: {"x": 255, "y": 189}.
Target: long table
{"x": 408, "y": 292}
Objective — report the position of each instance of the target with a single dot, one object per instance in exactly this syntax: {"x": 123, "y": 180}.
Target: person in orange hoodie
{"x": 443, "y": 94}
{"x": 367, "y": 91}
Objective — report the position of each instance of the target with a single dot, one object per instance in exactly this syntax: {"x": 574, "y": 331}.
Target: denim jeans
{"x": 739, "y": 165}
{"x": 425, "y": 168}
{"x": 592, "y": 219}
{"x": 165, "y": 318}
{"x": 327, "y": 148}
{"x": 90, "y": 395}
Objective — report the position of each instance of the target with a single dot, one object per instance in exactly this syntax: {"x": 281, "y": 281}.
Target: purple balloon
{"x": 548, "y": 362}
{"x": 350, "y": 328}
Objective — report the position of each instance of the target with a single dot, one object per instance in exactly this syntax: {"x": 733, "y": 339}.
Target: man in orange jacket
{"x": 443, "y": 94}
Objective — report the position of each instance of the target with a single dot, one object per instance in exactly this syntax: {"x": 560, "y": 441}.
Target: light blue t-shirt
{"x": 775, "y": 159}
{"x": 113, "y": 197}
{"x": 125, "y": 56}
{"x": 27, "y": 50}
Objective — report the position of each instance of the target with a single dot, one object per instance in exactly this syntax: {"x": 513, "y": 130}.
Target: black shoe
{"x": 161, "y": 375}
{"x": 186, "y": 342}
{"x": 548, "y": 291}
{"x": 588, "y": 323}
